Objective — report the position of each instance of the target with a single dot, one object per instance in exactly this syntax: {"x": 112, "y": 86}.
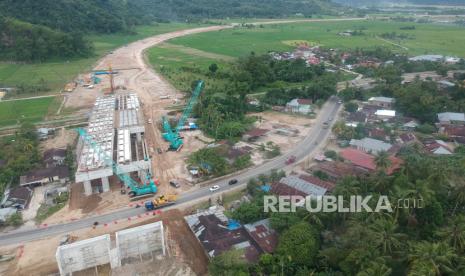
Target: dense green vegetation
{"x": 39, "y": 30}
{"x": 204, "y": 9}
{"x": 21, "y": 153}
{"x": 22, "y": 41}
{"x": 427, "y": 239}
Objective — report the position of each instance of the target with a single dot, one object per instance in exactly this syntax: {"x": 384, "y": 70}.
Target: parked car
{"x": 214, "y": 188}
{"x": 175, "y": 184}
{"x": 232, "y": 181}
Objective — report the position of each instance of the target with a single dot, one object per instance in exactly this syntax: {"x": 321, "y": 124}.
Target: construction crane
{"x": 148, "y": 187}
{"x": 172, "y": 136}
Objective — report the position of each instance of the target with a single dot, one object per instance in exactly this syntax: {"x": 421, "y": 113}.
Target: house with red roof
{"x": 366, "y": 161}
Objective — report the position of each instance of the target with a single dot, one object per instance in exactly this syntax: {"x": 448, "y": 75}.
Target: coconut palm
{"x": 385, "y": 237}
{"x": 377, "y": 267}
{"x": 454, "y": 233}
{"x": 382, "y": 161}
{"x": 431, "y": 258}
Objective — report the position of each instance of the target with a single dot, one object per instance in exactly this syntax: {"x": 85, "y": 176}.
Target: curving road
{"x": 316, "y": 136}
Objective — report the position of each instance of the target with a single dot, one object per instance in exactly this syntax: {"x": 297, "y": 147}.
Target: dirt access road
{"x": 137, "y": 75}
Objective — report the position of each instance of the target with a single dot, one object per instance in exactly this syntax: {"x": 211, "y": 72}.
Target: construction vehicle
{"x": 160, "y": 202}
{"x": 136, "y": 188}
{"x": 172, "y": 135}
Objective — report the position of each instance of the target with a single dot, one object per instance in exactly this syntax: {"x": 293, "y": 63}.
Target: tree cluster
{"x": 425, "y": 239}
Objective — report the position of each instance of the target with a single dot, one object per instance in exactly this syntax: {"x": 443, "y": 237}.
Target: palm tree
{"x": 458, "y": 195}
{"x": 385, "y": 236}
{"x": 431, "y": 258}
{"x": 377, "y": 267}
{"x": 382, "y": 161}
{"x": 454, "y": 233}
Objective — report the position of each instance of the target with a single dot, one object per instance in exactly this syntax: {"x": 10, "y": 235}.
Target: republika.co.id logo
{"x": 341, "y": 204}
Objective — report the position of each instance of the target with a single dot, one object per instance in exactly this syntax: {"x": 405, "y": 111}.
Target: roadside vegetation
{"x": 21, "y": 153}
{"x": 426, "y": 240}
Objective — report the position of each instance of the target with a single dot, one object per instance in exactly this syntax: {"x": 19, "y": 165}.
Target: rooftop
{"x": 451, "y": 116}
{"x": 262, "y": 233}
{"x": 370, "y": 145}
{"x": 385, "y": 112}
{"x": 303, "y": 186}
{"x": 39, "y": 174}
{"x": 211, "y": 229}
{"x": 367, "y": 161}
{"x": 381, "y": 99}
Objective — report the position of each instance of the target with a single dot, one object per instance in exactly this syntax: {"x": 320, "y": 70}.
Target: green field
{"x": 426, "y": 38}
{"x": 32, "y": 110}
{"x": 57, "y": 73}
{"x": 173, "y": 61}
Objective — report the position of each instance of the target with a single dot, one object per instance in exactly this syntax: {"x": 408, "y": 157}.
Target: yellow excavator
{"x": 160, "y": 202}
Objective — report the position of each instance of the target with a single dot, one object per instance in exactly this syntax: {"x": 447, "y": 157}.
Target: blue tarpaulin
{"x": 266, "y": 188}
{"x": 233, "y": 224}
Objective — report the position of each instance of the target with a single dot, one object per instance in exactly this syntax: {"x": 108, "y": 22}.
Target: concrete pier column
{"x": 87, "y": 188}
{"x": 139, "y": 137}
{"x": 105, "y": 184}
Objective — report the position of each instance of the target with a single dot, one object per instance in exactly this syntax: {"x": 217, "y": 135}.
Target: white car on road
{"x": 214, "y": 188}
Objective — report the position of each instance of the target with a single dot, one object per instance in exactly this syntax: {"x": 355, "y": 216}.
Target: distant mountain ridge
{"x": 381, "y": 2}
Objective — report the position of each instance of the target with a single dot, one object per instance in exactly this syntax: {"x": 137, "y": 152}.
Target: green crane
{"x": 136, "y": 189}
{"x": 172, "y": 135}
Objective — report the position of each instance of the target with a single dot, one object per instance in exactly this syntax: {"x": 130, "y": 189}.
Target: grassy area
{"x": 46, "y": 211}
{"x": 57, "y": 73}
{"x": 181, "y": 67}
{"x": 426, "y": 38}
{"x": 34, "y": 110}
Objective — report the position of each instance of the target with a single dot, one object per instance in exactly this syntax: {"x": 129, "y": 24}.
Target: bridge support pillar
{"x": 105, "y": 184}
{"x": 87, "y": 188}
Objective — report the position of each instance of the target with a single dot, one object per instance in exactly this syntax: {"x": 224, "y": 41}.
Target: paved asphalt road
{"x": 307, "y": 146}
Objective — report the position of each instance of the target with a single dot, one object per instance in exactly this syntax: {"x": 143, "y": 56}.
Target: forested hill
{"x": 195, "y": 9}
{"x": 105, "y": 16}
{"x": 383, "y": 2}
{"x": 33, "y": 30}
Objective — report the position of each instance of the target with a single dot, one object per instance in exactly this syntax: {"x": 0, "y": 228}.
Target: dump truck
{"x": 160, "y": 202}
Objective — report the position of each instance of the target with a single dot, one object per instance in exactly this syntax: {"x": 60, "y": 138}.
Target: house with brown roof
{"x": 43, "y": 176}
{"x": 337, "y": 170}
{"x": 217, "y": 235}
{"x": 366, "y": 162}
{"x": 54, "y": 157}
{"x": 254, "y": 134}
{"x": 262, "y": 233}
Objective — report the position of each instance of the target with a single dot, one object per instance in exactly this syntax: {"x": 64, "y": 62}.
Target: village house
{"x": 217, "y": 234}
{"x": 370, "y": 145}
{"x": 385, "y": 114}
{"x": 437, "y": 147}
{"x": 302, "y": 106}
{"x": 366, "y": 162}
{"x": 254, "y": 134}
{"x": 44, "y": 176}
{"x": 336, "y": 170}
{"x": 451, "y": 118}
{"x": 301, "y": 185}
{"x": 384, "y": 102}
{"x": 54, "y": 157}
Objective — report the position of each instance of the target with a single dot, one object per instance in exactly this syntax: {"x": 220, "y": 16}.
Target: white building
{"x": 385, "y": 114}
{"x": 302, "y": 106}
